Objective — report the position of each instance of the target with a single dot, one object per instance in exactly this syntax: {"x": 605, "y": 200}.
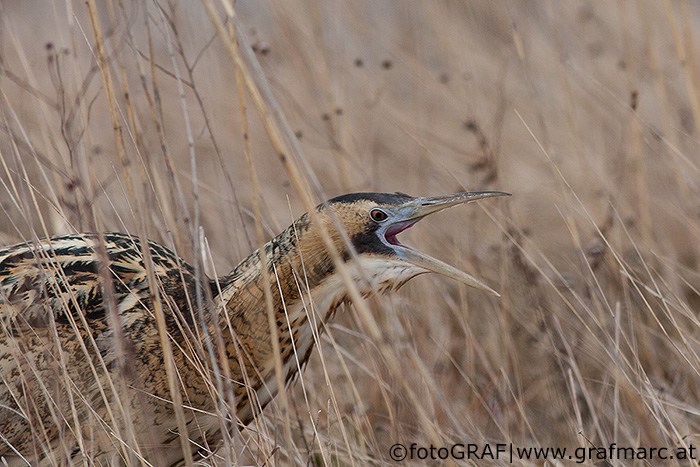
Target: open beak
{"x": 407, "y": 214}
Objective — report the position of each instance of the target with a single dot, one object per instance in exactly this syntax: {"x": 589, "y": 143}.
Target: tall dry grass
{"x": 588, "y": 113}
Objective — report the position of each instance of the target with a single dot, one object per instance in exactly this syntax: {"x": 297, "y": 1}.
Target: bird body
{"x": 82, "y": 365}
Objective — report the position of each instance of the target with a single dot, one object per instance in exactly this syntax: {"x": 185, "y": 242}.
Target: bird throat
{"x": 303, "y": 300}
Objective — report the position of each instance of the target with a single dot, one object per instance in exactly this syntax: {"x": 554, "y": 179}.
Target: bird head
{"x": 372, "y": 222}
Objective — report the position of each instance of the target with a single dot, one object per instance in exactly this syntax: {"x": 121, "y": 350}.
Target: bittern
{"x": 69, "y": 374}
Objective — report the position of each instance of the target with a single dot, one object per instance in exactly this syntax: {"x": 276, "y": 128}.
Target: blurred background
{"x": 587, "y": 112}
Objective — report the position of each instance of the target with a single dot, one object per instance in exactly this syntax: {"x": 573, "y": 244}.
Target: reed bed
{"x": 209, "y": 127}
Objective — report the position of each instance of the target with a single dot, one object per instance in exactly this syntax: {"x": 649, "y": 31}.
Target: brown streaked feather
{"x": 65, "y": 392}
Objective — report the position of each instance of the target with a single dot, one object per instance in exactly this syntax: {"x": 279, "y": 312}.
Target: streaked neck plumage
{"x": 306, "y": 291}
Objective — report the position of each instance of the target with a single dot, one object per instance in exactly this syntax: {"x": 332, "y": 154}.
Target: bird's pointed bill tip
{"x": 427, "y": 262}
{"x": 419, "y": 208}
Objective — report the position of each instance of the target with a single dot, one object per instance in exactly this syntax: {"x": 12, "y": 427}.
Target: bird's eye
{"x": 378, "y": 215}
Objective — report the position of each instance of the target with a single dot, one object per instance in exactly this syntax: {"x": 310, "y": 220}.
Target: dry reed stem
{"x": 273, "y": 119}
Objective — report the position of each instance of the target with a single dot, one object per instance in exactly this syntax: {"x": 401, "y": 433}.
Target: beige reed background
{"x": 588, "y": 112}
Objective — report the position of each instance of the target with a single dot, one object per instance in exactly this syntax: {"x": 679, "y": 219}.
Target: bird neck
{"x": 295, "y": 262}
{"x": 296, "y": 267}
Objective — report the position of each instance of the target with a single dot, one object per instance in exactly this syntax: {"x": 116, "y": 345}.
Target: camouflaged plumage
{"x": 71, "y": 388}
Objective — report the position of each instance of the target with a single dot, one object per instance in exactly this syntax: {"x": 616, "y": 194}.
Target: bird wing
{"x": 51, "y": 299}
{"x": 59, "y": 277}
